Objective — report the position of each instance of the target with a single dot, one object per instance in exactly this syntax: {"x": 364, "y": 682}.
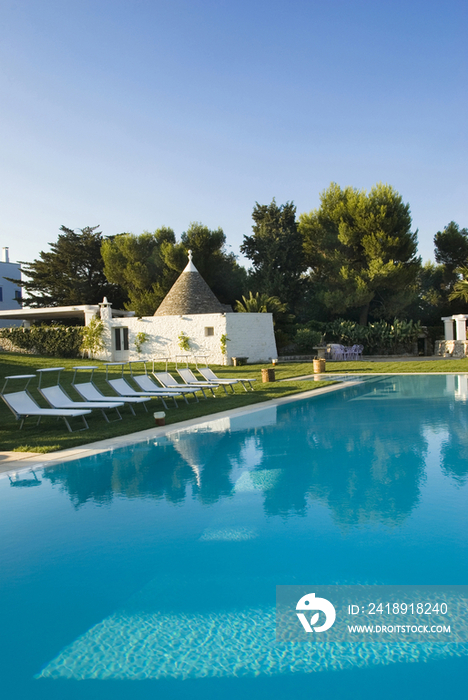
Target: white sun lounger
{"x": 90, "y": 392}
{"x": 146, "y": 384}
{"x": 22, "y": 405}
{"x": 191, "y": 380}
{"x": 168, "y": 382}
{"x": 211, "y": 376}
{"x": 123, "y": 388}
{"x": 57, "y": 398}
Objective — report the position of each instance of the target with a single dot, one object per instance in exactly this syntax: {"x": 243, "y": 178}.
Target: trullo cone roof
{"x": 189, "y": 295}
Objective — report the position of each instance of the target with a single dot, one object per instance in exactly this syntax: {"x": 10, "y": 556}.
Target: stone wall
{"x": 250, "y": 335}
{"x": 451, "y": 348}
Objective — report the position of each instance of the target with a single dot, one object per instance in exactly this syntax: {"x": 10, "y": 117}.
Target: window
{"x": 121, "y": 338}
{"x": 209, "y": 330}
{"x": 1, "y": 293}
{"x": 17, "y": 294}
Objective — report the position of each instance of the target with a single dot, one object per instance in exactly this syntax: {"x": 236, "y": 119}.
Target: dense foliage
{"x": 146, "y": 266}
{"x": 351, "y": 263}
{"x": 276, "y": 252}
{"x": 361, "y": 252}
{"x": 381, "y": 337}
{"x": 72, "y": 272}
{"x": 58, "y": 341}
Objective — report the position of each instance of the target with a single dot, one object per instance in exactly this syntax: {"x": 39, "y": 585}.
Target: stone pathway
{"x": 8, "y": 459}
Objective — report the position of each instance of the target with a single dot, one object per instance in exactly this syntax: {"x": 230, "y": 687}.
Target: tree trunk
{"x": 364, "y": 314}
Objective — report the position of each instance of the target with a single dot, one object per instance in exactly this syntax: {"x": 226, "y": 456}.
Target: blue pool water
{"x": 150, "y": 571}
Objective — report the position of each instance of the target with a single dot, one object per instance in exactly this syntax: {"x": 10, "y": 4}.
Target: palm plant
{"x": 260, "y": 303}
{"x": 460, "y": 288}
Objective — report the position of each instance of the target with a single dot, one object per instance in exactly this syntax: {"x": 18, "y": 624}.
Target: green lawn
{"x": 52, "y": 435}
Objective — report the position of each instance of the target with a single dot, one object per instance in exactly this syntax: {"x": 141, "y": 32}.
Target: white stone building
{"x": 190, "y": 309}
{"x": 10, "y": 293}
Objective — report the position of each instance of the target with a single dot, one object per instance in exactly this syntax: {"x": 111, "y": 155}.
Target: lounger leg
{"x": 72, "y": 431}
{"x": 131, "y": 408}
{"x": 175, "y": 402}
{"x": 107, "y": 418}
{"x": 212, "y": 391}
{"x": 163, "y": 402}
{"x": 225, "y": 390}
{"x": 243, "y": 384}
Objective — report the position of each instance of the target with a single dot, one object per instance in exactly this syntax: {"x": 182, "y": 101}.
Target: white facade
{"x": 9, "y": 292}
{"x": 249, "y": 335}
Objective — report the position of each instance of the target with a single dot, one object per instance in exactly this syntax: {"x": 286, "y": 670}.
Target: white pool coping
{"x": 40, "y": 461}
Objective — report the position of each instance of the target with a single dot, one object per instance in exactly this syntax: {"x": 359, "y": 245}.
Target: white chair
{"x": 90, "y": 392}
{"x": 22, "y": 405}
{"x": 210, "y": 376}
{"x": 123, "y": 388}
{"x": 57, "y": 397}
{"x": 337, "y": 352}
{"x": 190, "y": 379}
{"x": 146, "y": 384}
{"x": 167, "y": 380}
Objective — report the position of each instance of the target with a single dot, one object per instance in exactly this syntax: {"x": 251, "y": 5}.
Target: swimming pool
{"x": 150, "y": 571}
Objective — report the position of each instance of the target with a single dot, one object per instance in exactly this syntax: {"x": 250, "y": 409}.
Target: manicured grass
{"x": 372, "y": 367}
{"x": 51, "y": 436}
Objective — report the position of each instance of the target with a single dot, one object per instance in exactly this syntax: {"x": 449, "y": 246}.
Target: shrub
{"x": 380, "y": 338}
{"x": 140, "y": 340}
{"x": 184, "y": 342}
{"x": 57, "y": 341}
{"x": 305, "y": 339}
{"x": 223, "y": 343}
{"x": 92, "y": 337}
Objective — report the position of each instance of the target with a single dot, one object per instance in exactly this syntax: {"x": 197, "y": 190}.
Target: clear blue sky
{"x": 139, "y": 114}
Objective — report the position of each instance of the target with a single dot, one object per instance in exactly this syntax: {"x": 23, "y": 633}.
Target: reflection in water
{"x": 173, "y": 576}
{"x": 24, "y": 479}
{"x": 361, "y": 453}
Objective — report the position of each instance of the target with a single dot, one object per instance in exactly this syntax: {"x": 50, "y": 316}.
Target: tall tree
{"x": 72, "y": 272}
{"x": 219, "y": 268}
{"x": 275, "y": 249}
{"x": 361, "y": 251}
{"x": 451, "y": 252}
{"x": 147, "y": 266}
{"x": 451, "y": 246}
{"x": 138, "y": 265}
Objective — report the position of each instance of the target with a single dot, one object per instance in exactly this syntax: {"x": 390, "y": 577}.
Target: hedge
{"x": 57, "y": 341}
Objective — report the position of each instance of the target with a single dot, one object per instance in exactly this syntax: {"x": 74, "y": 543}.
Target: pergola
{"x": 460, "y": 326}
{"x": 85, "y": 312}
